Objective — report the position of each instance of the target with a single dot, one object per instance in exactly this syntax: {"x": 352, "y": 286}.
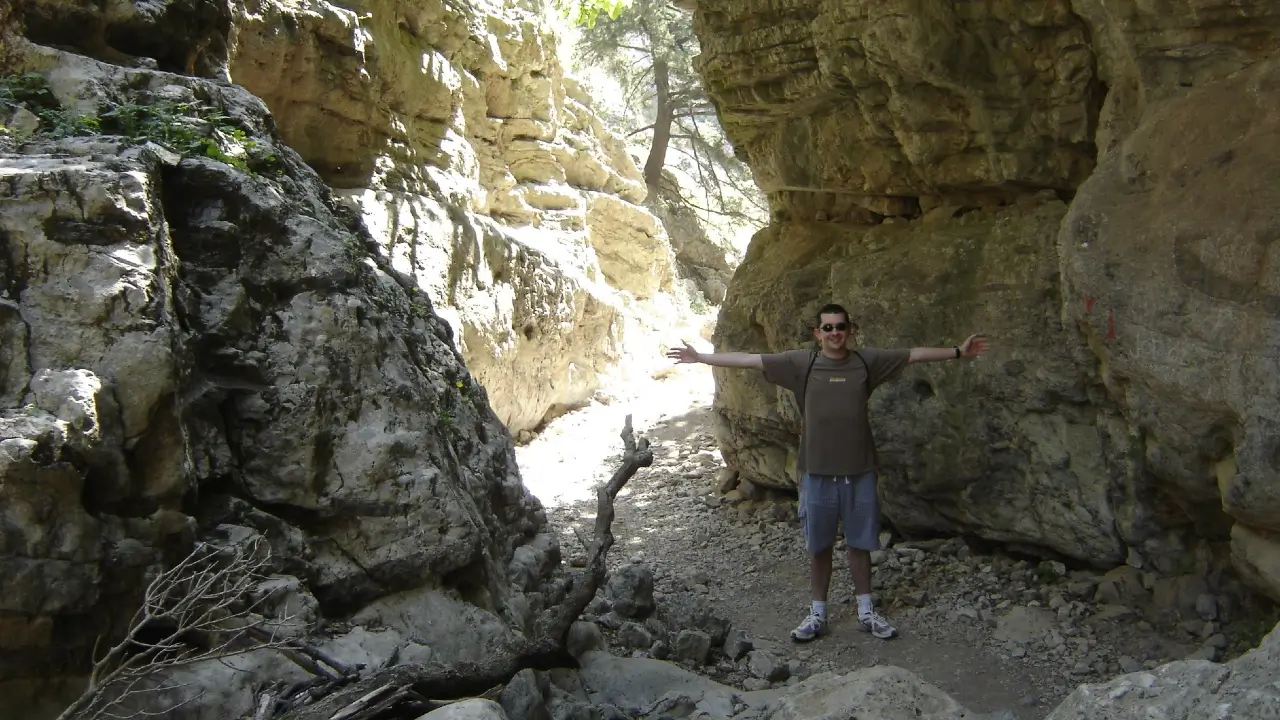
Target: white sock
{"x": 820, "y": 608}
{"x": 864, "y": 605}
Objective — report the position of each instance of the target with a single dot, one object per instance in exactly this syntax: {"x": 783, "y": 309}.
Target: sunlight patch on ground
{"x": 579, "y": 450}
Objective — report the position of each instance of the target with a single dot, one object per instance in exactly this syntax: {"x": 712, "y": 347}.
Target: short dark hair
{"x": 831, "y": 309}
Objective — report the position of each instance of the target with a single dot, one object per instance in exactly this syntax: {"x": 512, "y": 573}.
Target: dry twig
{"x": 195, "y": 611}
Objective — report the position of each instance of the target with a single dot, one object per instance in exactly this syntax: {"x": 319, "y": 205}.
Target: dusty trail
{"x": 749, "y": 562}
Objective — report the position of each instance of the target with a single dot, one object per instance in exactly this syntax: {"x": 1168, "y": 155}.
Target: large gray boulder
{"x": 1243, "y": 689}
{"x": 193, "y": 343}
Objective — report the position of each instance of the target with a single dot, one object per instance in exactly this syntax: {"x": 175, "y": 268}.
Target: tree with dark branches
{"x": 647, "y": 47}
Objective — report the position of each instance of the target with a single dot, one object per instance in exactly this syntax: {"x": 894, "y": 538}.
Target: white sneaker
{"x": 812, "y": 627}
{"x": 874, "y": 623}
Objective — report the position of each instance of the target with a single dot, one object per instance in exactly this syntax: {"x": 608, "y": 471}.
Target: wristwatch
{"x": 957, "y": 352}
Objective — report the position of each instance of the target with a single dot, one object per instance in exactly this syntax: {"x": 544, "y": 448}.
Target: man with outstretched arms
{"x": 837, "y": 456}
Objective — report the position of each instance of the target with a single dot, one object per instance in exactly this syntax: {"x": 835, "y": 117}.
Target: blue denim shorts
{"x": 826, "y": 500}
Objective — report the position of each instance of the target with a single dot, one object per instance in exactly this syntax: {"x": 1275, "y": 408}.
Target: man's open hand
{"x": 684, "y": 354}
{"x": 974, "y": 346}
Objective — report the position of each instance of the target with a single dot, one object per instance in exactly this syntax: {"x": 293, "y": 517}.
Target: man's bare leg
{"x": 860, "y": 569}
{"x": 820, "y": 574}
{"x": 819, "y": 583}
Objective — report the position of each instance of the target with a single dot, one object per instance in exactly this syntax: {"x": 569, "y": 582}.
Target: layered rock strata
{"x": 485, "y": 175}
{"x": 1083, "y": 181}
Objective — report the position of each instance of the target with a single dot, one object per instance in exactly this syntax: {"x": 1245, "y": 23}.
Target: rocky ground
{"x": 728, "y": 576}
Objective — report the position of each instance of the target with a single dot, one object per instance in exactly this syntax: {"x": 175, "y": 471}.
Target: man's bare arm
{"x": 973, "y": 347}
{"x": 687, "y": 354}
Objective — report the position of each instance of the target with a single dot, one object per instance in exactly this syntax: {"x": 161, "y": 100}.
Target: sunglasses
{"x": 838, "y": 326}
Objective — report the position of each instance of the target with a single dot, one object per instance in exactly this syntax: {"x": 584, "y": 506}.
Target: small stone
{"x": 660, "y": 650}
{"x": 163, "y": 155}
{"x": 737, "y": 645}
{"x": 1129, "y": 665}
{"x": 693, "y": 645}
{"x": 755, "y": 684}
{"x": 583, "y": 637}
{"x": 1207, "y": 606}
{"x": 522, "y": 698}
{"x": 727, "y": 480}
{"x": 1054, "y": 567}
{"x": 1218, "y": 641}
{"x": 1108, "y": 593}
{"x": 798, "y": 670}
{"x": 1208, "y": 652}
{"x": 1082, "y": 588}
{"x": 656, "y": 627}
{"x": 764, "y": 665}
{"x": 633, "y": 635}
{"x": 916, "y": 599}
{"x": 629, "y": 591}
{"x": 750, "y": 490}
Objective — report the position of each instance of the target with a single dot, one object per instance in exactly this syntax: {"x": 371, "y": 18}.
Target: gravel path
{"x": 997, "y": 633}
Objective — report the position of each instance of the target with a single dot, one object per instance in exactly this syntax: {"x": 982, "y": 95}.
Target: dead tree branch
{"x": 379, "y": 692}
{"x": 196, "y": 610}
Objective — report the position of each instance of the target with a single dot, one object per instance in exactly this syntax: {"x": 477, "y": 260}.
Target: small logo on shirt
{"x": 837, "y": 379}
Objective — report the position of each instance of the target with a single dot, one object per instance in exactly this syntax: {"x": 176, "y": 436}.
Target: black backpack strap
{"x": 866, "y": 380}
{"x": 813, "y": 357}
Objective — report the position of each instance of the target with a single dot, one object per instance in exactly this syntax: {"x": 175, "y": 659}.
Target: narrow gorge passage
{"x": 748, "y": 560}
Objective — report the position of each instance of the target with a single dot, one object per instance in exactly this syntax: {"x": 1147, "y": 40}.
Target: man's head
{"x": 833, "y": 328}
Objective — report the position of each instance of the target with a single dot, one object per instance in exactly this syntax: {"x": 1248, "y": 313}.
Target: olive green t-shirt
{"x": 836, "y": 437}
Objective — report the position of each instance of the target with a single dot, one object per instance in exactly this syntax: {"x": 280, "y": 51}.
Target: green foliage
{"x": 190, "y": 129}
{"x": 652, "y": 37}
{"x": 586, "y": 13}
{"x": 626, "y": 45}
{"x": 30, "y": 90}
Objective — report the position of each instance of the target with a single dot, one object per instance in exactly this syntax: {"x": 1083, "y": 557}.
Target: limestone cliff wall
{"x": 451, "y": 128}
{"x": 213, "y": 347}
{"x": 1085, "y": 181}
